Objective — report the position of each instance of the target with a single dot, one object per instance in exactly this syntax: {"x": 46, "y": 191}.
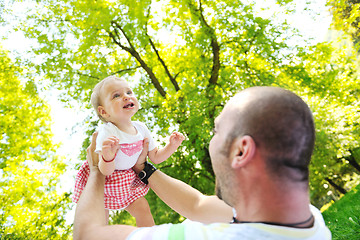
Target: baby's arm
{"x": 107, "y": 155}
{"x": 158, "y": 156}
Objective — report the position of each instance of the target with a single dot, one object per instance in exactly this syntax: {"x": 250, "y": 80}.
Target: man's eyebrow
{"x": 216, "y": 122}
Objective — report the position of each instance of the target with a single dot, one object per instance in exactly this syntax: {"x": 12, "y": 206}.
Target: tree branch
{"x": 125, "y": 70}
{"x": 336, "y": 186}
{"x": 215, "y": 48}
{"x": 137, "y": 56}
{"x": 352, "y": 161}
{"x": 172, "y": 79}
{"x": 86, "y": 75}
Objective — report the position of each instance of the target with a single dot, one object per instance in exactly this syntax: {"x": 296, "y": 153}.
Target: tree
{"x": 186, "y": 59}
{"x": 30, "y": 206}
{"x": 346, "y": 17}
{"x": 186, "y": 84}
{"x": 329, "y": 75}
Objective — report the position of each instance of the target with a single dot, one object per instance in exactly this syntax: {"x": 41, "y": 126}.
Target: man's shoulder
{"x": 195, "y": 230}
{"x": 186, "y": 230}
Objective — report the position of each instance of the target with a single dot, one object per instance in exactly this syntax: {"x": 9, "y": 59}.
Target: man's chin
{"x": 218, "y": 192}
{"x": 220, "y": 196}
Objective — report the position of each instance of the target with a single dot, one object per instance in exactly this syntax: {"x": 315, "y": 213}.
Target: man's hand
{"x": 89, "y": 221}
{"x": 139, "y": 166}
{"x": 91, "y": 156}
{"x": 176, "y": 139}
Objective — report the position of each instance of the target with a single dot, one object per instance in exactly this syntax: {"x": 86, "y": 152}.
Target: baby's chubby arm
{"x": 107, "y": 155}
{"x": 158, "y": 156}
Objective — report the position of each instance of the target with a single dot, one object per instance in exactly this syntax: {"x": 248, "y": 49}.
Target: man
{"x": 260, "y": 153}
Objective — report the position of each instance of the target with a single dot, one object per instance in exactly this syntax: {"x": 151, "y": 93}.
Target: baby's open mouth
{"x": 129, "y": 105}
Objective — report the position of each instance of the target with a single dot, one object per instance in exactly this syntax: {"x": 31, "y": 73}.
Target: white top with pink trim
{"x": 130, "y": 145}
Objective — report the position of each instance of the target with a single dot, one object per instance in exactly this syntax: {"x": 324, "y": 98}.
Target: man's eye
{"x": 213, "y": 131}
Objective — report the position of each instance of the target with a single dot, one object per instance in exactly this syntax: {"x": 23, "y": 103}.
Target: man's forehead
{"x": 235, "y": 104}
{"x": 242, "y": 98}
{"x": 226, "y": 114}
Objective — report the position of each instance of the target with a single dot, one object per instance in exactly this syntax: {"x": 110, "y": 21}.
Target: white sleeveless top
{"x": 130, "y": 145}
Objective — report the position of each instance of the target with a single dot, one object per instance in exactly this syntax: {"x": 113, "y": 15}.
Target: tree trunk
{"x": 337, "y": 187}
{"x": 352, "y": 161}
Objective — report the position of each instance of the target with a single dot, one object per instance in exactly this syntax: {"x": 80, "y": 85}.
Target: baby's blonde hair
{"x": 95, "y": 96}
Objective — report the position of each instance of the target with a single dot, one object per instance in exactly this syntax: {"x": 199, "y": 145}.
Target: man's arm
{"x": 89, "y": 222}
{"x": 188, "y": 201}
{"x": 185, "y": 199}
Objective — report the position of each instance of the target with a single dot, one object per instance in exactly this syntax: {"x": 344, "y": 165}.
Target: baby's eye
{"x": 116, "y": 95}
{"x": 129, "y": 92}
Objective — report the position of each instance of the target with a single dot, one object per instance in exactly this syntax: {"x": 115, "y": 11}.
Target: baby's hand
{"x": 110, "y": 147}
{"x": 176, "y": 139}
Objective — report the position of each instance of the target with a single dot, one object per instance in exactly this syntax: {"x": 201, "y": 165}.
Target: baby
{"x": 119, "y": 144}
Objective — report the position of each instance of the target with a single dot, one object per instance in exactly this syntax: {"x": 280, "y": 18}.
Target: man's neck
{"x": 284, "y": 206}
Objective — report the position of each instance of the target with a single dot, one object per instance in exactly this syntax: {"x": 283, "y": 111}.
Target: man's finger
{"x": 93, "y": 141}
{"x": 145, "y": 147}
{"x": 144, "y": 153}
{"x": 92, "y": 157}
{"x": 142, "y": 157}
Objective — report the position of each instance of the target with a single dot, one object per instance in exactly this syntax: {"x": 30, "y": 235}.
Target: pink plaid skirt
{"x": 122, "y": 187}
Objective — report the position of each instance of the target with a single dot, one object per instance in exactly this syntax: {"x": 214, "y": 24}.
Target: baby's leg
{"x": 140, "y": 210}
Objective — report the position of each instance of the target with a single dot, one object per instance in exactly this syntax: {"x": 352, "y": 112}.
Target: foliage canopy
{"x": 186, "y": 58}
{"x": 346, "y": 17}
{"x": 30, "y": 206}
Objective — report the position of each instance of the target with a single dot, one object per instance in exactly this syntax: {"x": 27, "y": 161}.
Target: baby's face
{"x": 118, "y": 101}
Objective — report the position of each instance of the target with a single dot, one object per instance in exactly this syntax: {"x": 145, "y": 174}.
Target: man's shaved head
{"x": 281, "y": 125}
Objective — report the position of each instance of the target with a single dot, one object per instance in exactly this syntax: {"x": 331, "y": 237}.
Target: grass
{"x": 343, "y": 217}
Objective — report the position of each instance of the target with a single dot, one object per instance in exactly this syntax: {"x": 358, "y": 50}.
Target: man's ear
{"x": 243, "y": 151}
{"x": 102, "y": 112}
